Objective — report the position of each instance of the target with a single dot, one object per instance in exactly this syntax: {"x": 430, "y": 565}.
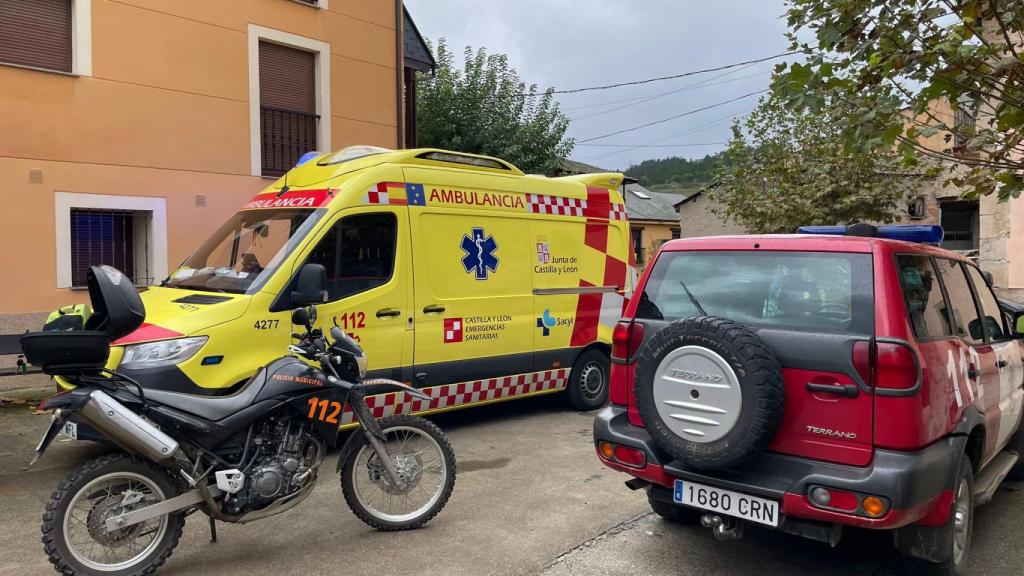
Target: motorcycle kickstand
{"x": 213, "y": 530}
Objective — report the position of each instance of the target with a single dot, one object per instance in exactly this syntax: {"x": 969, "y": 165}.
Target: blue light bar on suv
{"x": 921, "y": 234}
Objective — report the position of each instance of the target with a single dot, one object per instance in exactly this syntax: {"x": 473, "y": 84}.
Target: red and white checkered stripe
{"x": 617, "y": 212}
{"x": 559, "y": 205}
{"x": 375, "y": 196}
{"x": 462, "y": 394}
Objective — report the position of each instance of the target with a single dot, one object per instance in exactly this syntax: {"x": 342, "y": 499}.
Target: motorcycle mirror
{"x": 310, "y": 286}
{"x": 300, "y": 317}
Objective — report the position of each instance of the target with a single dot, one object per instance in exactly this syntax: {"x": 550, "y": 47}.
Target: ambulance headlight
{"x": 162, "y": 353}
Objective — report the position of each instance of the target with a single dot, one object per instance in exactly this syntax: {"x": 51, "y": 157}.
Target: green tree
{"x": 675, "y": 170}
{"x": 795, "y": 171}
{"x": 890, "y": 61}
{"x": 485, "y": 108}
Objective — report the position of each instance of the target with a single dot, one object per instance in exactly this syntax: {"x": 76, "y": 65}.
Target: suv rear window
{"x": 802, "y": 291}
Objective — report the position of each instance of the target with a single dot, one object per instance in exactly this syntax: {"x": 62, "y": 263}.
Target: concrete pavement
{"x": 530, "y": 498}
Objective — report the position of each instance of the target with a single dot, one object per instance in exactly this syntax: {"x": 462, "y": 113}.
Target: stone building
{"x": 697, "y": 218}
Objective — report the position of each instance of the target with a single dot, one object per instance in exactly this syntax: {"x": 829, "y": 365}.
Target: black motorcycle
{"x": 237, "y": 458}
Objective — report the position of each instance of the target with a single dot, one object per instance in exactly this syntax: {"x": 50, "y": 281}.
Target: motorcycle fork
{"x": 374, "y": 433}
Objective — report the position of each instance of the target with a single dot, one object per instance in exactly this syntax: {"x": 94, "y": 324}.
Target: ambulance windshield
{"x": 245, "y": 251}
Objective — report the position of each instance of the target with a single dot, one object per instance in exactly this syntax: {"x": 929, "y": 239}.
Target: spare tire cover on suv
{"x": 709, "y": 391}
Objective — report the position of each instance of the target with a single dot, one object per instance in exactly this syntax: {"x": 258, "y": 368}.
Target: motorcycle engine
{"x": 285, "y": 461}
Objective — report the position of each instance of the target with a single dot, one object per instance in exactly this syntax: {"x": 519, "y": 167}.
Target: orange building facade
{"x": 167, "y": 116}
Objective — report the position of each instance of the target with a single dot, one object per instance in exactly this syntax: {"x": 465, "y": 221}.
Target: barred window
{"x": 118, "y": 238}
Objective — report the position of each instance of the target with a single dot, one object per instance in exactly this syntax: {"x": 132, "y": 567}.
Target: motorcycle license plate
{"x": 727, "y": 502}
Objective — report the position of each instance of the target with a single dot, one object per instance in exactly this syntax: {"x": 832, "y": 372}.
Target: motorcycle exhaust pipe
{"x": 130, "y": 431}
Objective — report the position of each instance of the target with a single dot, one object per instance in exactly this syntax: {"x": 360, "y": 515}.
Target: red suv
{"x": 812, "y": 382}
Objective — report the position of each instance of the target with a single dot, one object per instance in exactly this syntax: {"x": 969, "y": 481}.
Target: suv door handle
{"x": 846, "y": 390}
{"x": 388, "y": 312}
{"x": 433, "y": 309}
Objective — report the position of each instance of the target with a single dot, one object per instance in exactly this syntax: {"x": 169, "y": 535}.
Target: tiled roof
{"x": 657, "y": 205}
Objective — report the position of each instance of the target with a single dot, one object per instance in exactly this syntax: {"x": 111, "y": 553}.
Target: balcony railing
{"x": 285, "y": 135}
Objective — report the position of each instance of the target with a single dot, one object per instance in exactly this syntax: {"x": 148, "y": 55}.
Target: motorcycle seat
{"x": 212, "y": 407}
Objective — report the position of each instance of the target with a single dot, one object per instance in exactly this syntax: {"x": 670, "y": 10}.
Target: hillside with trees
{"x": 675, "y": 172}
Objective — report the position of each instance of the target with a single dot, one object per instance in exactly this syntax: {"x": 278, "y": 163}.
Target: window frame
{"x": 949, "y": 301}
{"x": 322, "y": 69}
{"x": 156, "y": 206}
{"x": 81, "y": 43}
{"x": 862, "y": 323}
{"x": 981, "y": 307}
{"x": 318, "y": 4}
{"x": 942, "y": 291}
{"x": 318, "y": 238}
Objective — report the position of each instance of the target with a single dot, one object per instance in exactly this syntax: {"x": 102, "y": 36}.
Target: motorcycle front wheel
{"x": 425, "y": 462}
{"x": 75, "y": 534}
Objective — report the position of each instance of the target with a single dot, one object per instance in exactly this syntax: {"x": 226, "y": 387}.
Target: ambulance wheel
{"x": 588, "y": 381}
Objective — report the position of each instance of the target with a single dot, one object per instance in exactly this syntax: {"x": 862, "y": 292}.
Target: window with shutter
{"x": 36, "y": 33}
{"x": 116, "y": 238}
{"x": 288, "y": 119}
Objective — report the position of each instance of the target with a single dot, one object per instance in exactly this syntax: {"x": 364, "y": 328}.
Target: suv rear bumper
{"x": 919, "y": 485}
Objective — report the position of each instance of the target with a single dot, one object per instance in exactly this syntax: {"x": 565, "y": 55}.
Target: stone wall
{"x": 696, "y": 218}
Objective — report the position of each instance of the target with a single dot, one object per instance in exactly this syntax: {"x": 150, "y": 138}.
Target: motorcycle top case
{"x": 117, "y": 311}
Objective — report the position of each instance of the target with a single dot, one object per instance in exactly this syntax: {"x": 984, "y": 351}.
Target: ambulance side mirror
{"x": 310, "y": 287}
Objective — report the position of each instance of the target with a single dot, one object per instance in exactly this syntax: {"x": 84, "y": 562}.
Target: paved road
{"x": 531, "y": 498}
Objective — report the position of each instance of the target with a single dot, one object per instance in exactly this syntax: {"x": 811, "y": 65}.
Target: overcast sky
{"x": 575, "y": 43}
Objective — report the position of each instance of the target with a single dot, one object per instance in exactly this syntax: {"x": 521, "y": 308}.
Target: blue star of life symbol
{"x": 479, "y": 251}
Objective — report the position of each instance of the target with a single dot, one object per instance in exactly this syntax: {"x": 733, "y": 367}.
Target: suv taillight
{"x": 626, "y": 339}
{"x": 896, "y": 367}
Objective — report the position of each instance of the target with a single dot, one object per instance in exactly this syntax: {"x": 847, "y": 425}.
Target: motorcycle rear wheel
{"x": 74, "y": 535}
{"x": 425, "y": 461}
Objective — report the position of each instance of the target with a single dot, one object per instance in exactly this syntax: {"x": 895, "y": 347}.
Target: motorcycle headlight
{"x": 162, "y": 353}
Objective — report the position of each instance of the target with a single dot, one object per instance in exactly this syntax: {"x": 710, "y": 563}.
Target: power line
{"x": 702, "y": 84}
{"x": 670, "y": 118}
{"x": 693, "y": 130}
{"x": 637, "y": 82}
{"x": 656, "y": 145}
{"x": 674, "y": 76}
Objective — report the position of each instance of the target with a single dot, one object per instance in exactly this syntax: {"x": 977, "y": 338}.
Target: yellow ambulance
{"x": 456, "y": 272}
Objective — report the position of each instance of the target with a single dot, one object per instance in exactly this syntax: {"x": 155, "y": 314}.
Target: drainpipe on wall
{"x": 399, "y": 71}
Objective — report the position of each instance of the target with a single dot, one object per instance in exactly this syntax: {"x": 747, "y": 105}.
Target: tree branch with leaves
{"x": 892, "y": 61}
{"x": 485, "y": 108}
{"x": 789, "y": 168}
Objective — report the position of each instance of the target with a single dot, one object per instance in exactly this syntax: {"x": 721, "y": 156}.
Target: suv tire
{"x": 661, "y": 503}
{"x": 952, "y": 540}
{"x": 724, "y": 372}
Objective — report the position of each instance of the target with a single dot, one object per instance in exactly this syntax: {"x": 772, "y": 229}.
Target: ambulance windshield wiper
{"x": 692, "y": 299}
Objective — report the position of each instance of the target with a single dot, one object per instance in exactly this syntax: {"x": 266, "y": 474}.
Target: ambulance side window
{"x": 358, "y": 253}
